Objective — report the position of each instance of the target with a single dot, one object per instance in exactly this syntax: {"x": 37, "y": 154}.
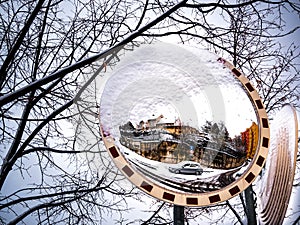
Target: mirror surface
{"x": 180, "y": 118}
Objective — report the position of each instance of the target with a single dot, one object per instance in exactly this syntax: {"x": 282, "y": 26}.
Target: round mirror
{"x": 277, "y": 178}
{"x": 182, "y": 123}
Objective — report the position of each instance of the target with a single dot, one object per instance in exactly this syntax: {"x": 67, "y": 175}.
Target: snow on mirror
{"x": 182, "y": 123}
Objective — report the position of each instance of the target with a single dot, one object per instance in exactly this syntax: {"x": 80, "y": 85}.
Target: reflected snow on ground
{"x": 159, "y": 173}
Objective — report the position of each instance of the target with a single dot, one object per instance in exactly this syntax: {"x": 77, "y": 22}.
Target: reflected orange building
{"x": 250, "y": 139}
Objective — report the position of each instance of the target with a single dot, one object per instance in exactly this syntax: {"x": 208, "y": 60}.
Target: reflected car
{"x": 187, "y": 168}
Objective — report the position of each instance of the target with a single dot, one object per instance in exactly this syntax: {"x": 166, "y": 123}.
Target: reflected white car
{"x": 187, "y": 168}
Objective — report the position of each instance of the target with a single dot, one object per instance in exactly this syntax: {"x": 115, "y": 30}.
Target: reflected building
{"x": 173, "y": 143}
{"x": 250, "y": 139}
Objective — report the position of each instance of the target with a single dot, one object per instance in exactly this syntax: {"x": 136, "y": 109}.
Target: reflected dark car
{"x": 187, "y": 168}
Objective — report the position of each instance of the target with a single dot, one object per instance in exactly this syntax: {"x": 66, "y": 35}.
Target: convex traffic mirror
{"x": 182, "y": 124}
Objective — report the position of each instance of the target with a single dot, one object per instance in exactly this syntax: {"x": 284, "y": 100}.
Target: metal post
{"x": 251, "y": 215}
{"x": 178, "y": 215}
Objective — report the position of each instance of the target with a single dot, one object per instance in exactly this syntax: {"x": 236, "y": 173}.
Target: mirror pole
{"x": 250, "y": 208}
{"x": 178, "y": 215}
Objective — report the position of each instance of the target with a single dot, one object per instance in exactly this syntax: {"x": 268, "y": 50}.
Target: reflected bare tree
{"x": 50, "y": 52}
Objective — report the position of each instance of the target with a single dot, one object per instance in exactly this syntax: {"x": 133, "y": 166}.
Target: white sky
{"x": 173, "y": 81}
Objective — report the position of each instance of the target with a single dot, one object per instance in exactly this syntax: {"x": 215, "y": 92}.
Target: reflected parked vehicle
{"x": 187, "y": 168}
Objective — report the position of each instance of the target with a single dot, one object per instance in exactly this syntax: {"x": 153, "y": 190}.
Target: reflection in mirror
{"x": 186, "y": 148}
{"x": 202, "y": 159}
